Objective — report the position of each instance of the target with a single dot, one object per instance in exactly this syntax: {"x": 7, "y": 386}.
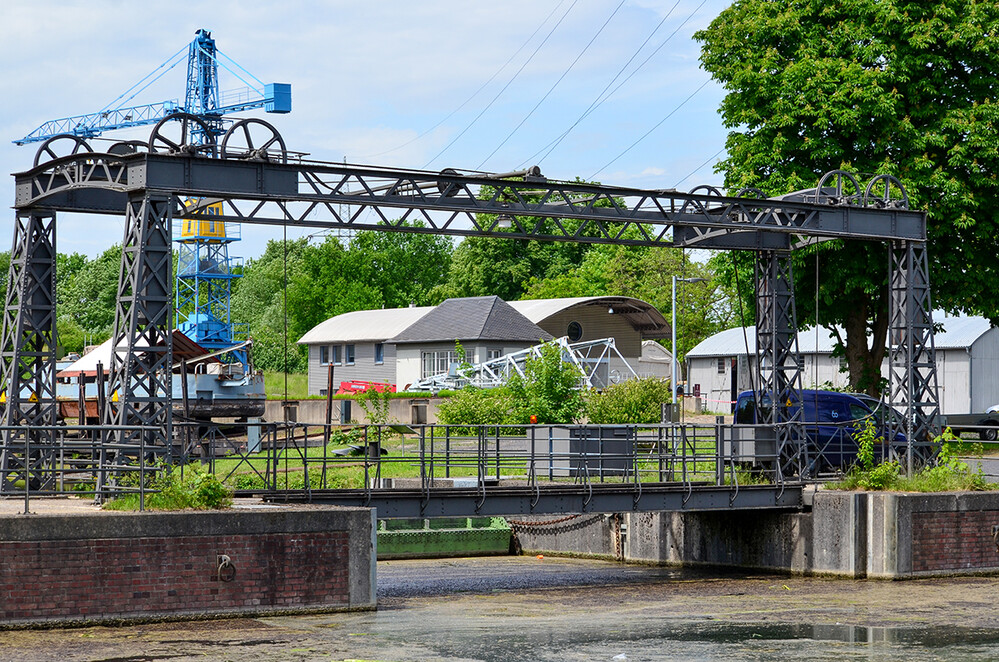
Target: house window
{"x": 493, "y": 354}
{"x": 324, "y": 355}
{"x": 349, "y": 355}
{"x": 435, "y": 363}
{"x": 721, "y": 366}
{"x": 335, "y": 354}
{"x": 379, "y": 353}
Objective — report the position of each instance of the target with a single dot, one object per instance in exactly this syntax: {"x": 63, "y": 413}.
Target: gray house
{"x": 967, "y": 353}
{"x": 486, "y": 327}
{"x": 402, "y": 346}
{"x": 356, "y": 345}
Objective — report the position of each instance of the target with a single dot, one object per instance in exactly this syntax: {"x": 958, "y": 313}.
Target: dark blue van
{"x": 830, "y": 420}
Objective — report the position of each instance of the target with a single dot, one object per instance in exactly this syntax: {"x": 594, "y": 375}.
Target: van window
{"x": 745, "y": 411}
{"x": 858, "y": 411}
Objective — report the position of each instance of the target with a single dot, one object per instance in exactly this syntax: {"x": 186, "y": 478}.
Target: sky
{"x": 430, "y": 85}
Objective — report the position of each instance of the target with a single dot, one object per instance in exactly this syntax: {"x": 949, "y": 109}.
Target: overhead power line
{"x": 649, "y": 132}
{"x": 604, "y": 95}
{"x": 554, "y": 85}
{"x": 476, "y": 92}
{"x": 500, "y": 93}
{"x": 691, "y": 173}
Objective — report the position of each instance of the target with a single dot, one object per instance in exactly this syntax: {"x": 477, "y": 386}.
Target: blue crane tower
{"x": 205, "y": 269}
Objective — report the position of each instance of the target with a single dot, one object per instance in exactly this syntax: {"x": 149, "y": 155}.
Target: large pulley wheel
{"x": 254, "y": 140}
{"x": 885, "y": 191}
{"x": 56, "y": 147}
{"x": 126, "y": 147}
{"x": 838, "y": 187}
{"x": 174, "y": 134}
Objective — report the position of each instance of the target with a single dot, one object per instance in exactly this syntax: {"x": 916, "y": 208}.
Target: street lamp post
{"x": 673, "y": 329}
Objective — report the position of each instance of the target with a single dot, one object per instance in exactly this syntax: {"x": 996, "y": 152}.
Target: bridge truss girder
{"x": 153, "y": 188}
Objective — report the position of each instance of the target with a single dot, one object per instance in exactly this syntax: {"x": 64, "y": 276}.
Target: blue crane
{"x": 201, "y": 99}
{"x": 205, "y": 269}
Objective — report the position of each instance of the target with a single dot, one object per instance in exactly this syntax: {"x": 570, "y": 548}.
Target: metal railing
{"x": 284, "y": 458}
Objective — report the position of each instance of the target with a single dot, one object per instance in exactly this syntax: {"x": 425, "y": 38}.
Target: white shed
{"x": 967, "y": 350}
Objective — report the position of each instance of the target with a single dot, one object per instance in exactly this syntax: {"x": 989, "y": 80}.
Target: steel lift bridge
{"x": 152, "y": 189}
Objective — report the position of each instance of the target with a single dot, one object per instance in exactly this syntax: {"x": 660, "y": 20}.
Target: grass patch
{"x": 196, "y": 489}
{"x": 298, "y": 385}
{"x": 949, "y": 474}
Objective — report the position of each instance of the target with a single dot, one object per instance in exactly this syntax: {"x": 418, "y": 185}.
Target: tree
{"x": 259, "y": 301}
{"x": 483, "y": 266}
{"x": 89, "y": 295}
{"x": 549, "y": 389}
{"x": 893, "y": 87}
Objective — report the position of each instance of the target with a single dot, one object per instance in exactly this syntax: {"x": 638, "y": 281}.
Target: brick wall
{"x": 71, "y": 571}
{"x": 953, "y": 541}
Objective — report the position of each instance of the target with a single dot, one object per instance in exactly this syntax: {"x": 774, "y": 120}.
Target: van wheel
{"x": 988, "y": 434}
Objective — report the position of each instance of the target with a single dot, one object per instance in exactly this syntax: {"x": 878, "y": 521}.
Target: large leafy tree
{"x": 875, "y": 86}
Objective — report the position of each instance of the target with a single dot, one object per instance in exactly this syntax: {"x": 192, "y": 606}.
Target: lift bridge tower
{"x": 205, "y": 269}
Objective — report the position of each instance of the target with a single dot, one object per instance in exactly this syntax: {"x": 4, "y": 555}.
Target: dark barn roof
{"x": 473, "y": 318}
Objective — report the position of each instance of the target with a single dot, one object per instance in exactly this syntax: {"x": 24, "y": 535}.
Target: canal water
{"x": 529, "y": 608}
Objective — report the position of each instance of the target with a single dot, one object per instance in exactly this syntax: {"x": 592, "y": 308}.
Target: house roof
{"x": 364, "y": 325}
{"x": 955, "y": 333}
{"x": 644, "y": 317}
{"x": 473, "y": 318}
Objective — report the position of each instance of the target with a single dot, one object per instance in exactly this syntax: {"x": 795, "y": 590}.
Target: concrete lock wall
{"x": 138, "y": 566}
{"x": 849, "y": 534}
{"x": 409, "y": 411}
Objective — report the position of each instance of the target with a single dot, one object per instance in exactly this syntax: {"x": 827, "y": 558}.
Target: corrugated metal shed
{"x": 956, "y": 333}
{"x": 364, "y": 325}
{"x": 644, "y": 317}
{"x": 959, "y": 332}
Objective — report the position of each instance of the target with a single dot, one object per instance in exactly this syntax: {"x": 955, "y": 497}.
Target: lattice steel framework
{"x": 152, "y": 187}
{"x": 139, "y": 384}
{"x": 779, "y": 372}
{"x": 27, "y": 374}
{"x": 911, "y": 354}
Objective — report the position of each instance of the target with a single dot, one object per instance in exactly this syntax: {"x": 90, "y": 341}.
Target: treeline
{"x": 297, "y": 284}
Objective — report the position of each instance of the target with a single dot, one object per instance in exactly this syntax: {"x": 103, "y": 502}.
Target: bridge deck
{"x": 550, "y": 499}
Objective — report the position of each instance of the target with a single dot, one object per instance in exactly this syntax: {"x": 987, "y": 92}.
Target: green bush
{"x": 197, "y": 489}
{"x": 476, "y": 406}
{"x": 548, "y": 390}
{"x": 631, "y": 401}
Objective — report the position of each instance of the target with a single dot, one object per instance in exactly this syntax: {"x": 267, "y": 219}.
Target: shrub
{"x": 476, "y": 406}
{"x": 631, "y": 401}
{"x": 197, "y": 489}
{"x": 548, "y": 390}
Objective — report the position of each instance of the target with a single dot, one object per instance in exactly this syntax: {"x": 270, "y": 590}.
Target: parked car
{"x": 986, "y": 425}
{"x": 830, "y": 421}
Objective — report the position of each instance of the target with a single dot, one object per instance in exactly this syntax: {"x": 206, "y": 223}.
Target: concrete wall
{"x": 850, "y": 534}
{"x": 401, "y": 410}
{"x": 590, "y": 535}
{"x": 127, "y": 566}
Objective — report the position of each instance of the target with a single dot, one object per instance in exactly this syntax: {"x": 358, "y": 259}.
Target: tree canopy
{"x": 873, "y": 86}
